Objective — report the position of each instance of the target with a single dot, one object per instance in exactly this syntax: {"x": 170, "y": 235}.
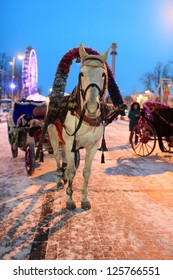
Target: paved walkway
{"x": 131, "y": 215}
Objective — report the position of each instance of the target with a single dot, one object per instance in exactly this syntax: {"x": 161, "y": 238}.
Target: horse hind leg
{"x": 70, "y": 174}
{"x": 53, "y": 136}
{"x": 60, "y": 184}
{"x": 64, "y": 163}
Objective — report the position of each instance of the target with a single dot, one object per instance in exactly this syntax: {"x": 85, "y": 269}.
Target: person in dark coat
{"x": 134, "y": 115}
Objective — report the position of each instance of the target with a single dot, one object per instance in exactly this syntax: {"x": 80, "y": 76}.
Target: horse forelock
{"x": 93, "y": 61}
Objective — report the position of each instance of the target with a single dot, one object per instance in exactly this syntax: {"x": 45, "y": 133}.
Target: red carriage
{"x": 155, "y": 124}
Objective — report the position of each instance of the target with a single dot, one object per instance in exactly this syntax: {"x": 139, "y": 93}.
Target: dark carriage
{"x": 155, "y": 123}
{"x": 25, "y": 123}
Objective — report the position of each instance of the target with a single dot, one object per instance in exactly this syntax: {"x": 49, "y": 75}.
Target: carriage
{"x": 155, "y": 124}
{"x": 25, "y": 123}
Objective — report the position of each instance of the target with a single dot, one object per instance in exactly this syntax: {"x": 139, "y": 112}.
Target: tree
{"x": 157, "y": 74}
{"x": 5, "y": 75}
{"x": 151, "y": 80}
{"x": 18, "y": 81}
{"x": 128, "y": 99}
{"x": 147, "y": 80}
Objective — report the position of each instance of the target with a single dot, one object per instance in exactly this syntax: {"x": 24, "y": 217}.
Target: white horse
{"x": 84, "y": 127}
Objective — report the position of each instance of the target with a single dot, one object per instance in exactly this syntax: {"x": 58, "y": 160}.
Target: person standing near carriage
{"x": 134, "y": 115}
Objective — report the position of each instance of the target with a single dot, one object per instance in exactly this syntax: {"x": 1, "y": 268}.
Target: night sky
{"x": 143, "y": 31}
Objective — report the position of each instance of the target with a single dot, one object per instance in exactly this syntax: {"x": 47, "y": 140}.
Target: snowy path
{"x": 131, "y": 198}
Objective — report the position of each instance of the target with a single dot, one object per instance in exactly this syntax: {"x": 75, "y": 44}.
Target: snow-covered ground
{"x": 131, "y": 199}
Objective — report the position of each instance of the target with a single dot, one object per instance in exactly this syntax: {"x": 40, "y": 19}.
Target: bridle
{"x": 84, "y": 92}
{"x": 81, "y": 92}
{"x": 99, "y": 63}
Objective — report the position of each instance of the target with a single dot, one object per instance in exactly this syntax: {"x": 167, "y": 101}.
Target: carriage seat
{"x": 163, "y": 119}
{"x": 40, "y": 112}
{"x": 24, "y": 108}
{"x": 166, "y": 114}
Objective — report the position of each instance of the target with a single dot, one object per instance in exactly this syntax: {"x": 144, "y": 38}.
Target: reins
{"x": 82, "y": 115}
{"x": 78, "y": 126}
{"x": 83, "y": 94}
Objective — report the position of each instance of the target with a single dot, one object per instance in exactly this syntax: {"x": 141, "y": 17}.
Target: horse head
{"x": 93, "y": 80}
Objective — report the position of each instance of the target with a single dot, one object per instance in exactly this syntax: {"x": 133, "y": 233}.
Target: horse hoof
{"x": 65, "y": 181}
{"x": 85, "y": 205}
{"x": 70, "y": 205}
{"x": 60, "y": 186}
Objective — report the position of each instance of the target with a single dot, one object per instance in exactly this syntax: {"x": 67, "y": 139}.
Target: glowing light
{"x": 20, "y": 56}
{"x": 165, "y": 19}
{"x": 141, "y": 98}
{"x": 12, "y": 86}
{"x": 167, "y": 13}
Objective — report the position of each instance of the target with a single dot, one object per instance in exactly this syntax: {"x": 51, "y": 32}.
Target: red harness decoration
{"x": 59, "y": 128}
{"x": 89, "y": 121}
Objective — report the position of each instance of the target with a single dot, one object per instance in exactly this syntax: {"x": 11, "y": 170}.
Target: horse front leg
{"x": 71, "y": 171}
{"x": 90, "y": 153}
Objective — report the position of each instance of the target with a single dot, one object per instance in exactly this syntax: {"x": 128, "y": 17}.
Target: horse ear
{"x": 82, "y": 51}
{"x": 105, "y": 55}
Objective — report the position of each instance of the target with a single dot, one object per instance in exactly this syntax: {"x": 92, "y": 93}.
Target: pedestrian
{"x": 134, "y": 115}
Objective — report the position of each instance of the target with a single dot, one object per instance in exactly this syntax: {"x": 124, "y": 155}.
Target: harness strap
{"x": 78, "y": 125}
{"x": 90, "y": 121}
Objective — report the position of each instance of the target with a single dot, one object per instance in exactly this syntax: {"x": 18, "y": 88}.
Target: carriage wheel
{"x": 77, "y": 159}
{"x": 30, "y": 158}
{"x": 14, "y": 150}
{"x": 143, "y": 139}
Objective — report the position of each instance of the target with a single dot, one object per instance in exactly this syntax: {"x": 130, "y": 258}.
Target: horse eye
{"x": 81, "y": 74}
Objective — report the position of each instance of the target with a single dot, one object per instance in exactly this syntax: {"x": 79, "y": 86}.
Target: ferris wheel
{"x": 29, "y": 72}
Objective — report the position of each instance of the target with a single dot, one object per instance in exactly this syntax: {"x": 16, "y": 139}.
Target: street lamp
{"x": 12, "y": 63}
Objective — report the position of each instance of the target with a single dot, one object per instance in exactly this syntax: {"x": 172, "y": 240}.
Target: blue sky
{"x": 143, "y": 31}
